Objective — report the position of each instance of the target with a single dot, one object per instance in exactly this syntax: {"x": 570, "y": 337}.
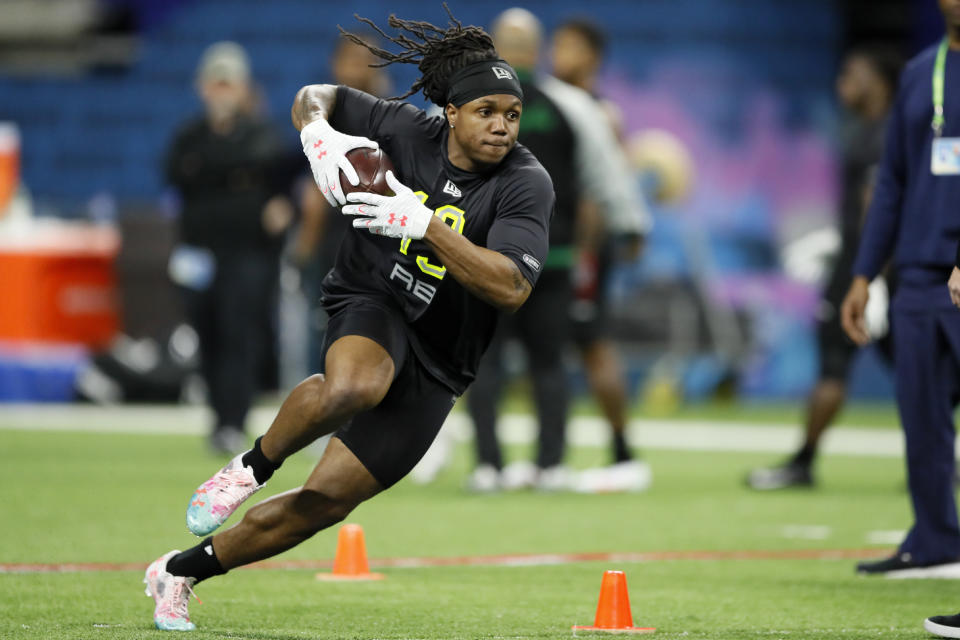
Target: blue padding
{"x": 43, "y": 375}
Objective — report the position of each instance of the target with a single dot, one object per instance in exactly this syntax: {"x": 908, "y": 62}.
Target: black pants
{"x": 232, "y": 319}
{"x": 542, "y": 326}
{"x": 927, "y": 358}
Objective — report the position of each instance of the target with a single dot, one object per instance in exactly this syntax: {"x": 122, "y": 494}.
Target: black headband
{"x": 484, "y": 78}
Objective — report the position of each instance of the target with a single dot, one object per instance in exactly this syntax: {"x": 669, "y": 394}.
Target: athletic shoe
{"x": 217, "y": 498}
{"x": 785, "y": 476}
{"x": 518, "y": 475}
{"x": 172, "y": 595}
{"x": 630, "y": 475}
{"x": 896, "y": 562}
{"x": 902, "y": 565}
{"x": 555, "y": 478}
{"x": 484, "y": 479}
{"x": 943, "y": 626}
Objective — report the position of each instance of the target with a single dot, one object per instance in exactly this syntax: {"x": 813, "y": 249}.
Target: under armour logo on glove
{"x": 326, "y": 149}
{"x": 398, "y": 216}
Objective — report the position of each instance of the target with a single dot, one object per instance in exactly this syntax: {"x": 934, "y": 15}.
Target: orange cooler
{"x": 59, "y": 286}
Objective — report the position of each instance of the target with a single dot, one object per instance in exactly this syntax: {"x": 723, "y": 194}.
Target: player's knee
{"x": 351, "y": 396}
{"x": 313, "y": 386}
{"x": 326, "y": 396}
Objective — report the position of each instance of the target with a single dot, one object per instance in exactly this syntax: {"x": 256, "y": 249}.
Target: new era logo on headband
{"x": 473, "y": 81}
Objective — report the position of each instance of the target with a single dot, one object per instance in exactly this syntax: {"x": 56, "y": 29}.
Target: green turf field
{"x": 81, "y": 497}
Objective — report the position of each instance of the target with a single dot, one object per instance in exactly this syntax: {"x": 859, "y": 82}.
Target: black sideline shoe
{"x": 896, "y": 562}
{"x": 785, "y": 476}
{"x": 943, "y": 626}
{"x": 902, "y": 562}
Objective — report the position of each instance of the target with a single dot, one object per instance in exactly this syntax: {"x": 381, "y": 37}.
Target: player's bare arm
{"x": 313, "y": 102}
{"x": 489, "y": 275}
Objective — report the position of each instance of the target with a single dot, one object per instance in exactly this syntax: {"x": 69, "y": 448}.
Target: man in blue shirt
{"x": 915, "y": 216}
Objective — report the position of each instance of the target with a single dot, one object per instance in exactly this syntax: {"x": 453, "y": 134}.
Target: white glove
{"x": 326, "y": 149}
{"x": 398, "y": 216}
{"x": 875, "y": 315}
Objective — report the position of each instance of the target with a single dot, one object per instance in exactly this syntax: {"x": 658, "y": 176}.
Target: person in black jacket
{"x": 225, "y": 164}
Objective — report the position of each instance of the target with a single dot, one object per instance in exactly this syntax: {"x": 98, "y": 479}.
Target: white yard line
{"x": 688, "y": 435}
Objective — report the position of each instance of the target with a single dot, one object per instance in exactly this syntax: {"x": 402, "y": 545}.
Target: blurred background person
{"x": 314, "y": 244}
{"x": 913, "y": 218}
{"x": 571, "y": 137}
{"x": 225, "y": 165}
{"x": 542, "y": 325}
{"x": 865, "y": 87}
{"x": 605, "y": 232}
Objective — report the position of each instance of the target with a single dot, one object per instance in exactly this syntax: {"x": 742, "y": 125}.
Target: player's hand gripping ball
{"x": 327, "y": 150}
{"x": 397, "y": 216}
{"x": 371, "y": 166}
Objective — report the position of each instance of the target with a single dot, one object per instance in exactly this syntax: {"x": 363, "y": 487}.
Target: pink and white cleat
{"x": 216, "y": 499}
{"x": 171, "y": 593}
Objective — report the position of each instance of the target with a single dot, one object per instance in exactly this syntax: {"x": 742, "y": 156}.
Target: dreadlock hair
{"x": 437, "y": 52}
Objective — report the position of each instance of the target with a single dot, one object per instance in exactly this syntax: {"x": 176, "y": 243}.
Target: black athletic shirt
{"x": 861, "y": 147}
{"x": 506, "y": 209}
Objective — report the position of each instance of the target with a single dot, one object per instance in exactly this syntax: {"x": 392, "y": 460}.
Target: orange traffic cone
{"x": 350, "y": 562}
{"x": 613, "y": 610}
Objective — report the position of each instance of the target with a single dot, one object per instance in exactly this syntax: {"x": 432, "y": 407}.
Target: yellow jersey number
{"x": 450, "y": 215}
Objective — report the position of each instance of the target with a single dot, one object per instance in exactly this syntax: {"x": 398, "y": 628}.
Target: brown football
{"x": 372, "y": 166}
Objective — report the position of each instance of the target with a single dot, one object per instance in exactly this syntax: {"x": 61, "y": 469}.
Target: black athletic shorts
{"x": 390, "y": 438}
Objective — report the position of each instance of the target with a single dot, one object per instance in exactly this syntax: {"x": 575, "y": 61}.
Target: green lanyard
{"x": 938, "y": 70}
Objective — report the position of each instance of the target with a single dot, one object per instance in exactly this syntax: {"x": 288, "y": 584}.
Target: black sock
{"x": 262, "y": 467}
{"x": 804, "y": 457}
{"x": 200, "y": 562}
{"x": 621, "y": 452}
